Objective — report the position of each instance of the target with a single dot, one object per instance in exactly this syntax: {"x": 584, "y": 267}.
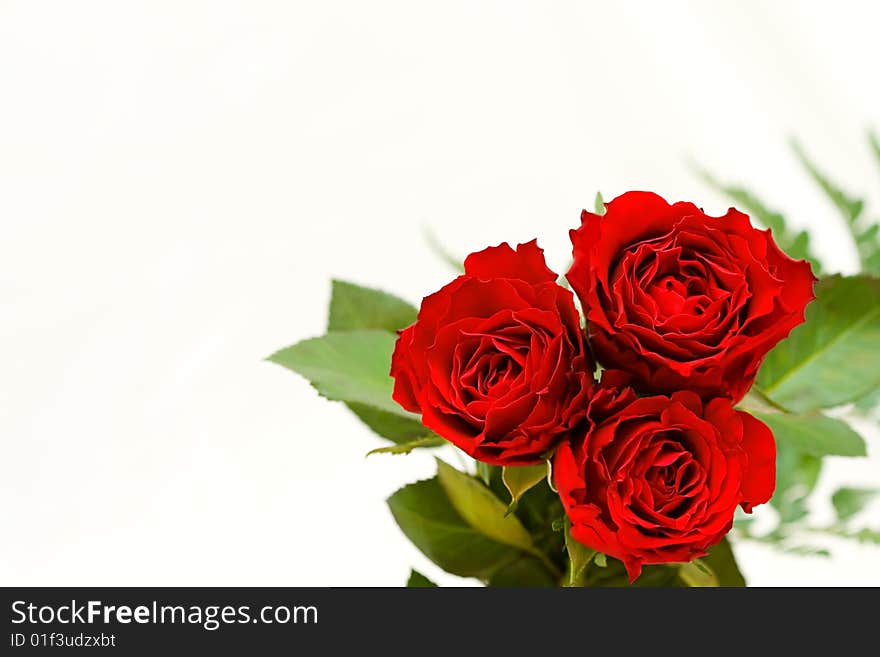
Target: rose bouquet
{"x": 618, "y": 425}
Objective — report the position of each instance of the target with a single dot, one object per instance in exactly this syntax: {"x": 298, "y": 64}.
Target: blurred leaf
{"x": 600, "y": 560}
{"x": 481, "y": 509}
{"x": 484, "y": 472}
{"x": 521, "y": 478}
{"x": 417, "y": 580}
{"x": 805, "y": 550}
{"x": 795, "y": 243}
{"x": 723, "y": 564}
{"x": 867, "y": 535}
{"x": 849, "y": 501}
{"x": 875, "y": 145}
{"x": 864, "y": 234}
{"x": 796, "y": 476}
{"x": 579, "y": 557}
{"x": 814, "y": 433}
{"x": 697, "y": 574}
{"x": 355, "y": 307}
{"x": 599, "y": 204}
{"x": 849, "y": 207}
{"x": 406, "y": 448}
{"x": 347, "y": 366}
{"x": 455, "y": 263}
{"x": 426, "y": 516}
{"x": 833, "y": 357}
{"x": 869, "y": 402}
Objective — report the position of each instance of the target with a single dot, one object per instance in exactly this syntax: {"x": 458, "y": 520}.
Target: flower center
{"x": 491, "y": 370}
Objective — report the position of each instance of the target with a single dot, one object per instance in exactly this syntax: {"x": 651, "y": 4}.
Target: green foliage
{"x": 484, "y": 472}
{"x": 349, "y": 366}
{"x": 579, "y": 557}
{"x": 524, "y": 571}
{"x": 587, "y": 567}
{"x": 520, "y": 479}
{"x": 429, "y": 519}
{"x": 850, "y": 501}
{"x": 875, "y": 145}
{"x": 869, "y": 402}
{"x": 864, "y": 233}
{"x": 455, "y": 263}
{"x": 392, "y": 426}
{"x": 480, "y": 508}
{"x": 355, "y": 307}
{"x": 723, "y": 564}
{"x": 834, "y": 356}
{"x": 599, "y": 204}
{"x": 406, "y": 448}
{"x": 537, "y": 510}
{"x": 796, "y": 476}
{"x": 697, "y": 574}
{"x": 417, "y": 580}
{"x": 813, "y": 433}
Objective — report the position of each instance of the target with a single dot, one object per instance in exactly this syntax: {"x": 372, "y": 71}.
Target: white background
{"x": 180, "y": 180}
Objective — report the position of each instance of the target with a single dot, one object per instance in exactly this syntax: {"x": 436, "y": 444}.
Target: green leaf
{"x": 355, "y": 307}
{"x": 875, "y": 148}
{"x": 600, "y": 560}
{"x": 520, "y": 478}
{"x": 484, "y": 472}
{"x": 814, "y": 433}
{"x": 869, "y": 402}
{"x": 613, "y": 574}
{"x": 417, "y": 580}
{"x": 864, "y": 234}
{"x": 867, "y": 535}
{"x": 579, "y": 557}
{"x": 426, "y": 516}
{"x": 406, "y": 448}
{"x": 849, "y": 207}
{"x": 455, "y": 263}
{"x": 389, "y": 425}
{"x": 875, "y": 145}
{"x": 805, "y": 550}
{"x": 481, "y": 509}
{"x": 795, "y": 243}
{"x": 723, "y": 563}
{"x": 834, "y": 357}
{"x": 697, "y": 573}
{"x": 524, "y": 571}
{"x": 599, "y": 204}
{"x": 849, "y": 501}
{"x": 797, "y": 474}
{"x": 347, "y": 366}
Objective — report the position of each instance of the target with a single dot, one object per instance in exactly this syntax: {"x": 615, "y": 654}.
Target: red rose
{"x": 496, "y": 361}
{"x": 682, "y": 300}
{"x": 657, "y": 479}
